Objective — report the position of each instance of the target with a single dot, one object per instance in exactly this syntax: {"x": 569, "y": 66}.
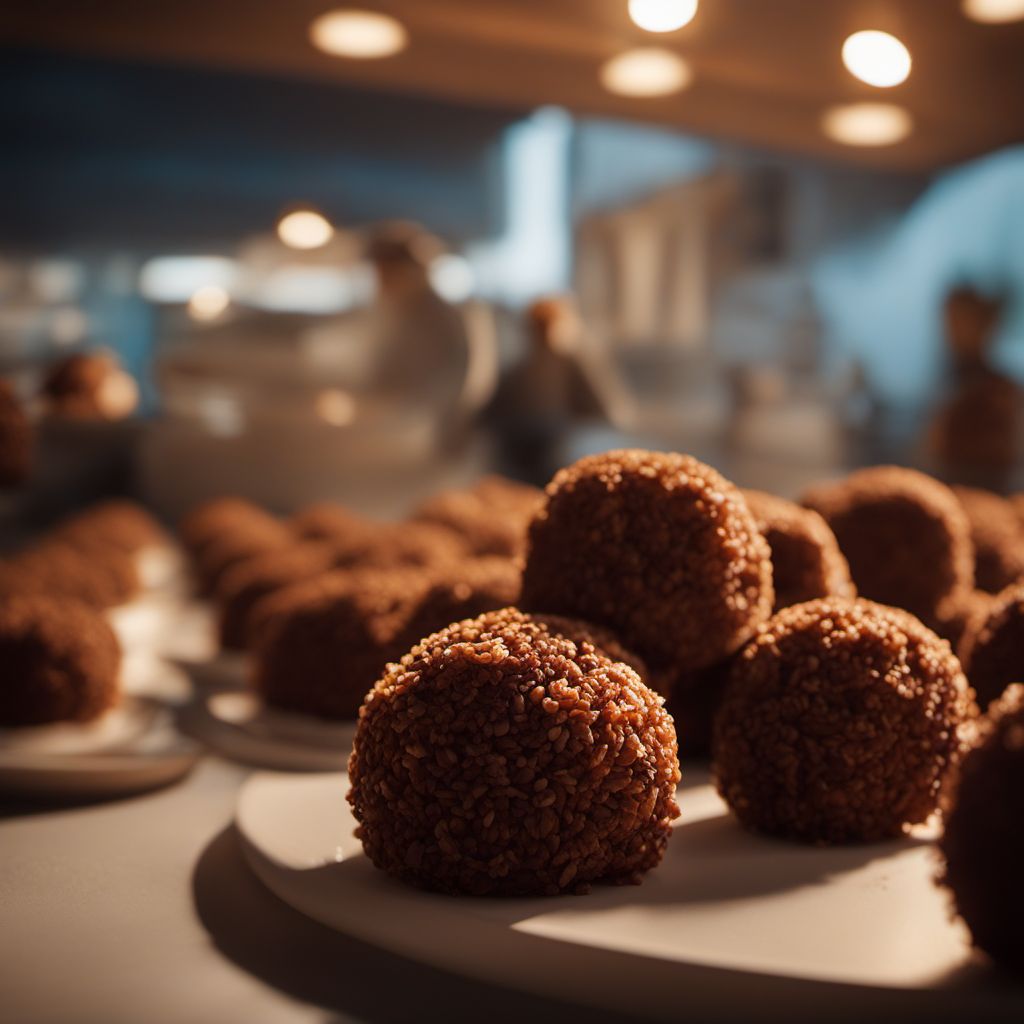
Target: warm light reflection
{"x": 994, "y": 12}
{"x": 359, "y": 35}
{"x": 662, "y": 15}
{"x": 336, "y": 407}
{"x": 451, "y": 276}
{"x": 646, "y": 72}
{"x": 304, "y": 229}
{"x": 867, "y": 124}
{"x": 118, "y": 395}
{"x": 208, "y": 302}
{"x": 876, "y": 58}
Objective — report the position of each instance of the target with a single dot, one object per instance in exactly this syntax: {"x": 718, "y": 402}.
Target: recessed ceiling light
{"x": 359, "y": 35}
{"x": 876, "y": 58}
{"x": 646, "y": 72}
{"x": 304, "y": 229}
{"x": 208, "y": 302}
{"x": 867, "y": 124}
{"x": 662, "y": 15}
{"x": 994, "y": 12}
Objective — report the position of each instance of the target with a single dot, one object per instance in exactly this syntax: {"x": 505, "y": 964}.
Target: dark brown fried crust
{"x": 491, "y": 517}
{"x": 249, "y": 539}
{"x": 59, "y": 661}
{"x": 806, "y": 560}
{"x": 839, "y": 723}
{"x": 507, "y": 755}
{"x": 997, "y": 536}
{"x": 101, "y": 576}
{"x": 905, "y": 536}
{"x": 121, "y": 524}
{"x": 216, "y": 518}
{"x": 659, "y": 548}
{"x": 983, "y": 841}
{"x": 993, "y": 650}
{"x": 17, "y": 439}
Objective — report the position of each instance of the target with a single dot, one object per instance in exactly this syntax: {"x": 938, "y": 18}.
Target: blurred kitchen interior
{"x": 363, "y": 255}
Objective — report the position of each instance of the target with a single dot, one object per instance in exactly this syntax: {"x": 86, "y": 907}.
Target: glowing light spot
{"x": 646, "y": 72}
{"x": 358, "y": 35}
{"x": 662, "y": 15}
{"x": 876, "y": 58}
{"x": 867, "y": 124}
{"x": 304, "y": 229}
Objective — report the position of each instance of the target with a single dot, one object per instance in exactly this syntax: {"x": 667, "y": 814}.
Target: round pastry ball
{"x": 806, "y": 560}
{"x": 983, "y": 841}
{"x": 217, "y": 518}
{"x": 321, "y": 645}
{"x": 905, "y": 536}
{"x": 508, "y": 755}
{"x": 659, "y": 548}
{"x": 59, "y": 661}
{"x": 91, "y": 385}
{"x": 997, "y": 536}
{"x": 964, "y": 619}
{"x": 250, "y": 539}
{"x": 16, "y": 439}
{"x": 102, "y": 577}
{"x": 992, "y": 649}
{"x": 492, "y": 517}
{"x": 326, "y": 520}
{"x": 247, "y": 583}
{"x": 118, "y": 523}
{"x": 839, "y": 723}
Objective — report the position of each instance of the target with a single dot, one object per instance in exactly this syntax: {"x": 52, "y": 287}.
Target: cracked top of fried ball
{"x": 839, "y": 723}
{"x": 806, "y": 560}
{"x": 983, "y": 841}
{"x": 59, "y": 661}
{"x": 992, "y": 650}
{"x": 101, "y": 576}
{"x": 16, "y": 439}
{"x": 997, "y": 536}
{"x": 905, "y": 536}
{"x": 658, "y": 547}
{"x": 508, "y": 755}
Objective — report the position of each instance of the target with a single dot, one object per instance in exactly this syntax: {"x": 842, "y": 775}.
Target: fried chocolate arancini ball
{"x": 216, "y": 518}
{"x": 90, "y": 385}
{"x": 122, "y": 524}
{"x": 321, "y": 645}
{"x": 16, "y": 439}
{"x": 251, "y": 538}
{"x": 983, "y": 841}
{"x": 997, "y": 536}
{"x": 508, "y": 755}
{"x": 59, "y": 661}
{"x": 659, "y": 548}
{"x": 492, "y": 517}
{"x": 965, "y": 619}
{"x": 244, "y": 585}
{"x": 993, "y": 650}
{"x": 806, "y": 560}
{"x": 839, "y": 723}
{"x": 102, "y": 577}
{"x": 905, "y": 536}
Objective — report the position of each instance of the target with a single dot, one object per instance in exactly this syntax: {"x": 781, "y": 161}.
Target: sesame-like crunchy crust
{"x": 992, "y": 650}
{"x": 806, "y": 560}
{"x": 507, "y": 755}
{"x": 906, "y": 538}
{"x": 659, "y": 548}
{"x": 839, "y": 723}
{"x": 997, "y": 536}
{"x": 983, "y": 841}
{"x": 59, "y": 661}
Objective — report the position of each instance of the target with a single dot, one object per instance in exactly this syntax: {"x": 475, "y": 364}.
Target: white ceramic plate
{"x": 238, "y": 726}
{"x": 729, "y": 926}
{"x": 133, "y": 748}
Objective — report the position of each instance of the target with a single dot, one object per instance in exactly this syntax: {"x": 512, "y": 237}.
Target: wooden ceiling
{"x": 764, "y": 69}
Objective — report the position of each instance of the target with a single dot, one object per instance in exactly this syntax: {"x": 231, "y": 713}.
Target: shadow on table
{"x": 313, "y": 963}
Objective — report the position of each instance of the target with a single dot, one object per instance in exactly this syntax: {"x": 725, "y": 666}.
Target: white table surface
{"x": 143, "y": 910}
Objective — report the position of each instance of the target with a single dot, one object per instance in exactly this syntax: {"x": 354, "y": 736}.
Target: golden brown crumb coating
{"x": 117, "y": 523}
{"x": 997, "y": 536}
{"x": 806, "y": 560}
{"x": 983, "y": 841}
{"x": 839, "y": 723}
{"x": 216, "y": 518}
{"x": 992, "y": 649}
{"x": 59, "y": 661}
{"x": 507, "y": 755}
{"x": 659, "y": 548}
{"x": 246, "y": 583}
{"x": 905, "y": 536}
{"x": 17, "y": 439}
{"x": 101, "y": 576}
{"x": 492, "y": 517}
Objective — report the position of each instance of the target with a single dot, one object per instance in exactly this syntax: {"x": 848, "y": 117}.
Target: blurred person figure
{"x": 548, "y": 392}
{"x": 974, "y": 435}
